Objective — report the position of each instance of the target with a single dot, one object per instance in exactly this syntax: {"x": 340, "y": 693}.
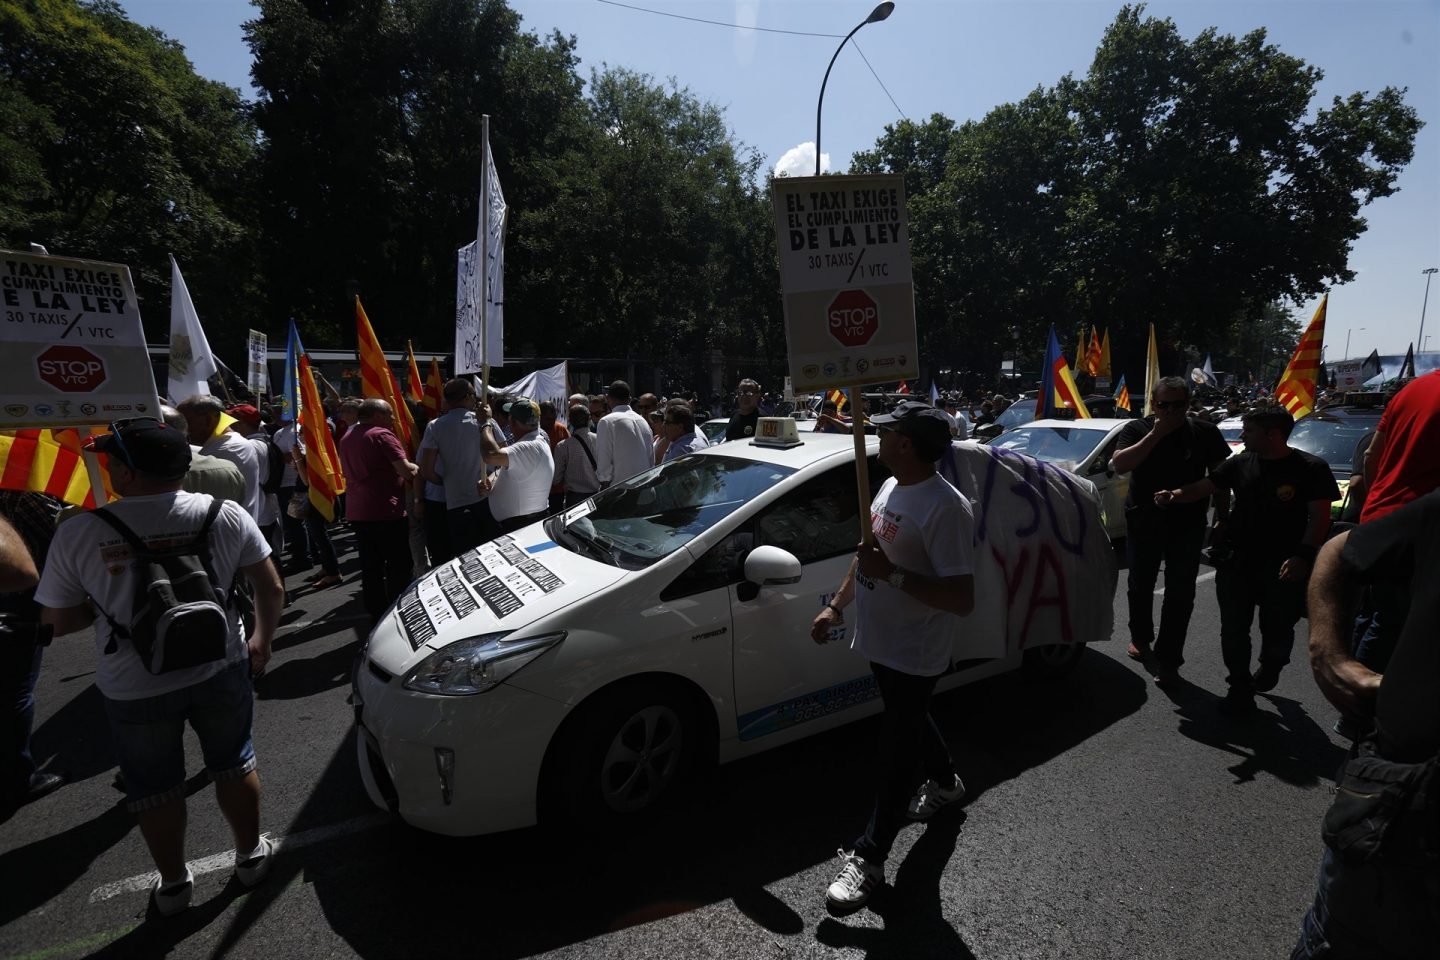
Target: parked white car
{"x": 1083, "y": 447}
{"x": 578, "y": 669}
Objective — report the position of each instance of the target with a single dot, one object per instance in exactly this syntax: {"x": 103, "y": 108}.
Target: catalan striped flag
{"x": 434, "y": 389}
{"x": 414, "y": 386}
{"x": 1122, "y": 395}
{"x": 1093, "y": 354}
{"x": 1298, "y": 384}
{"x": 1057, "y": 386}
{"x": 377, "y": 380}
{"x": 46, "y": 461}
{"x": 1105, "y": 356}
{"x": 322, "y": 460}
{"x": 837, "y": 397}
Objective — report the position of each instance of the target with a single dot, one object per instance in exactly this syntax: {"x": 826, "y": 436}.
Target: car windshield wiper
{"x": 590, "y": 545}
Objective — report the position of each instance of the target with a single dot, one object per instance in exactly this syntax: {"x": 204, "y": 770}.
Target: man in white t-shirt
{"x": 202, "y": 415}
{"x": 911, "y": 585}
{"x": 247, "y": 424}
{"x": 624, "y": 443}
{"x": 520, "y": 490}
{"x": 89, "y": 579}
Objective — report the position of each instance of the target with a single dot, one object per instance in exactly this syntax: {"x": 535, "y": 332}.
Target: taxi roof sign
{"x": 778, "y": 432}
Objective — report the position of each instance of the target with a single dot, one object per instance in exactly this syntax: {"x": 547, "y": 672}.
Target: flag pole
{"x": 482, "y": 260}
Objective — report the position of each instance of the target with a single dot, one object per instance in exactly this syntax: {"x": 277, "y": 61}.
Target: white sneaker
{"x": 932, "y": 796}
{"x": 254, "y": 869}
{"x": 855, "y": 882}
{"x": 171, "y": 898}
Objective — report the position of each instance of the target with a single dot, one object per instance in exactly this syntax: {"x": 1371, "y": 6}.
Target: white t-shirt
{"x": 523, "y": 487}
{"x": 269, "y": 511}
{"x": 927, "y": 528}
{"x": 624, "y": 445}
{"x": 241, "y": 452}
{"x": 89, "y": 559}
{"x": 285, "y": 439}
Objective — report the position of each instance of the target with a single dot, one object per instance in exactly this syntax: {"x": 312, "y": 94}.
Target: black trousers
{"x": 1241, "y": 588}
{"x": 1174, "y": 538}
{"x": 911, "y": 752}
{"x": 384, "y": 548}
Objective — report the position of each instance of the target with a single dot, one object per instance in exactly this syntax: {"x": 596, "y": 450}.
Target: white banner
{"x": 257, "y": 369}
{"x": 75, "y": 347}
{"x": 190, "y": 363}
{"x": 552, "y": 383}
{"x": 472, "y": 348}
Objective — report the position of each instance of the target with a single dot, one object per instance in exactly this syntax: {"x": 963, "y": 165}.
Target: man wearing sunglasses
{"x": 747, "y": 411}
{"x": 1165, "y": 451}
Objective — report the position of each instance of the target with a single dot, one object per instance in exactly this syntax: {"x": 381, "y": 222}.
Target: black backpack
{"x": 274, "y": 466}
{"x": 179, "y": 616}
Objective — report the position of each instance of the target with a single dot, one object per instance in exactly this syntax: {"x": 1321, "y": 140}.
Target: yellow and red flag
{"x": 1296, "y": 389}
{"x": 377, "y": 380}
{"x": 434, "y": 389}
{"x": 414, "y": 386}
{"x": 837, "y": 397}
{"x": 322, "y": 460}
{"x": 1122, "y": 394}
{"x": 1104, "y": 370}
{"x": 1092, "y": 354}
{"x": 1057, "y": 386}
{"x": 47, "y": 461}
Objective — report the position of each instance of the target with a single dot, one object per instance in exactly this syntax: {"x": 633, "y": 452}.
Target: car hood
{"x": 505, "y": 585}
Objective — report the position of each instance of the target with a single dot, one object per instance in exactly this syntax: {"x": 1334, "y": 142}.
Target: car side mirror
{"x": 771, "y": 566}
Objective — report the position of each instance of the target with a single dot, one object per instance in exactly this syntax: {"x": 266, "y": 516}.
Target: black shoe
{"x": 1167, "y": 676}
{"x": 43, "y": 784}
{"x": 1265, "y": 679}
{"x": 1238, "y": 703}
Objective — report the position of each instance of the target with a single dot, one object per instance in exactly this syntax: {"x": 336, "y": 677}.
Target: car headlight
{"x": 476, "y": 664}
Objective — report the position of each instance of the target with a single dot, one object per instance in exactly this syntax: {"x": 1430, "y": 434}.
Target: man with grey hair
{"x": 520, "y": 493}
{"x": 1166, "y": 450}
{"x": 575, "y": 458}
{"x": 202, "y": 421}
{"x": 219, "y": 478}
{"x": 376, "y": 473}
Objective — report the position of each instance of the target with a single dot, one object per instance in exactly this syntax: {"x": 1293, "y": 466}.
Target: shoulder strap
{"x": 120, "y": 528}
{"x": 214, "y": 511}
{"x": 586, "y": 447}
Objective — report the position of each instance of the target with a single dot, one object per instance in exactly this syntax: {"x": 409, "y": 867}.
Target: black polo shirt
{"x": 1182, "y": 457}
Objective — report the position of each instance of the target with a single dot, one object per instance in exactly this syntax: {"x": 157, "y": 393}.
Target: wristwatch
{"x": 897, "y": 578}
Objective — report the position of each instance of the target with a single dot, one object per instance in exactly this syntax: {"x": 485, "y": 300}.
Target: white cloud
{"x": 799, "y": 161}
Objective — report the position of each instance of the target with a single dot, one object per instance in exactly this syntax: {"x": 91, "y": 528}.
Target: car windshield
{"x": 1021, "y": 411}
{"x": 1067, "y": 445}
{"x": 714, "y": 430}
{"x": 1332, "y": 441}
{"x": 650, "y": 516}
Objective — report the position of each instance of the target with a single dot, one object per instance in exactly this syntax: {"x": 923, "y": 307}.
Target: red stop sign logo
{"x": 71, "y": 369}
{"x": 853, "y": 317}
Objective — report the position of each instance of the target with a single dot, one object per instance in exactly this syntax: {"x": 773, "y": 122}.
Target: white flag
{"x": 1209, "y": 372}
{"x": 474, "y": 348}
{"x": 191, "y": 362}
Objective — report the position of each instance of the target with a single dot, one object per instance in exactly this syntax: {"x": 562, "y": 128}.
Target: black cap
{"x": 920, "y": 422}
{"x": 148, "y": 446}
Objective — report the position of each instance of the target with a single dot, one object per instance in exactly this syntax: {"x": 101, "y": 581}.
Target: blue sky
{"x": 962, "y": 58}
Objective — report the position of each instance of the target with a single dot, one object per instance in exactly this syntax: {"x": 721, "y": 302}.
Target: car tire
{"x": 623, "y": 757}
{"x": 1052, "y": 662}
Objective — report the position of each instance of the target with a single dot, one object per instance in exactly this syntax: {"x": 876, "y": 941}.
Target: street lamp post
{"x": 1428, "y": 271}
{"x": 876, "y": 15}
{"x": 1347, "y": 340}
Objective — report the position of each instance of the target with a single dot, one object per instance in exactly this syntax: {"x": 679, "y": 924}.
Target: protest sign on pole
{"x": 845, "y": 276}
{"x": 77, "y": 352}
{"x": 849, "y": 301}
{"x": 480, "y": 330}
{"x": 257, "y": 372}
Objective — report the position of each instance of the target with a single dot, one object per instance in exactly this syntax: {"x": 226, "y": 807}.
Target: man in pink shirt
{"x": 376, "y": 473}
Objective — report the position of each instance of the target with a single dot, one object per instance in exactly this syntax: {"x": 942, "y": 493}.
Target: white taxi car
{"x": 579, "y": 668}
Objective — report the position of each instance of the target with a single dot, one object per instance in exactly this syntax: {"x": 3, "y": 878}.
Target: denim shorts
{"x": 149, "y": 735}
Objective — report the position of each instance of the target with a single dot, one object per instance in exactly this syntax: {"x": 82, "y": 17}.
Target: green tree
{"x": 112, "y": 148}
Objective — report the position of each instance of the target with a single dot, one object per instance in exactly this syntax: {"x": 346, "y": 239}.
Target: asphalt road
{"x": 1106, "y": 819}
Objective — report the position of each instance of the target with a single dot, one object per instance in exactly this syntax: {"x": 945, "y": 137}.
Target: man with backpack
{"x": 154, "y": 574}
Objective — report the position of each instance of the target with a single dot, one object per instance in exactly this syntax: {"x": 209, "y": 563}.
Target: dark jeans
{"x": 911, "y": 752}
{"x": 438, "y": 541}
{"x": 384, "y": 548}
{"x": 1152, "y": 537}
{"x": 471, "y": 525}
{"x": 1377, "y": 631}
{"x": 19, "y": 670}
{"x": 297, "y": 543}
{"x": 1370, "y": 911}
{"x": 320, "y": 542}
{"x": 1241, "y": 588}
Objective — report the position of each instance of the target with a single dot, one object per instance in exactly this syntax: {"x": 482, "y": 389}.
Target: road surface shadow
{"x": 746, "y": 826}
